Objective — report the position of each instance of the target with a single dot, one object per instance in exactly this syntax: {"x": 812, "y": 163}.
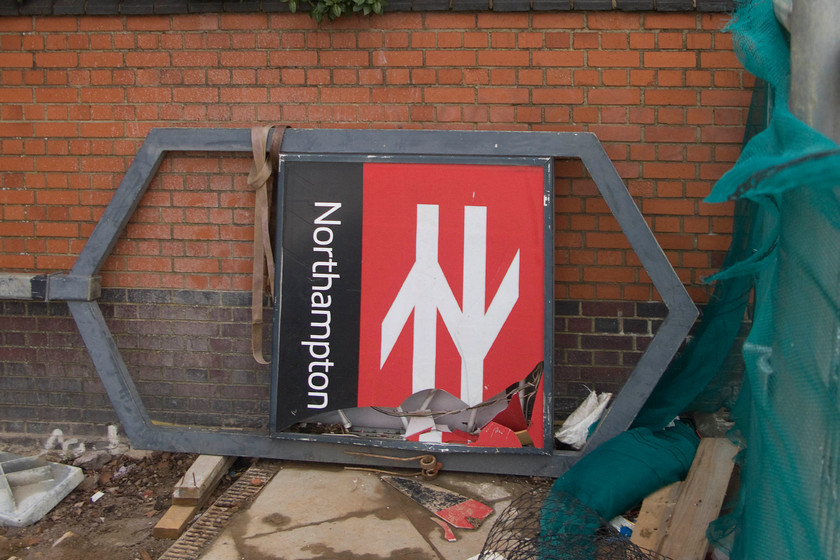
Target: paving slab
{"x": 312, "y": 511}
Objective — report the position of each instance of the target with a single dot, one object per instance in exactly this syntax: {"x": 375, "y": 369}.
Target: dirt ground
{"x": 118, "y": 526}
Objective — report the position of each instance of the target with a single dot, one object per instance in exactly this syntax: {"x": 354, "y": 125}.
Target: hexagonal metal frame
{"x": 144, "y": 433}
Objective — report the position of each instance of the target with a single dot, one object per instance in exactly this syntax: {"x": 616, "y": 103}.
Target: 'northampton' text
{"x": 323, "y": 273}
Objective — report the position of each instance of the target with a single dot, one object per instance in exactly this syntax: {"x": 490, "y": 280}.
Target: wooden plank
{"x": 200, "y": 479}
{"x": 700, "y": 500}
{"x": 656, "y": 511}
{"x": 174, "y": 522}
{"x": 190, "y": 494}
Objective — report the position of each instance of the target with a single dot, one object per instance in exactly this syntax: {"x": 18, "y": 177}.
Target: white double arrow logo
{"x": 427, "y": 292}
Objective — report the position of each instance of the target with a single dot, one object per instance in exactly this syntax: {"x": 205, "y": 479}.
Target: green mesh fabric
{"x": 785, "y": 255}
{"x": 787, "y": 410}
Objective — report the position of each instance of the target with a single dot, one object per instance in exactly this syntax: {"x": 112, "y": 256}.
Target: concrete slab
{"x": 310, "y": 511}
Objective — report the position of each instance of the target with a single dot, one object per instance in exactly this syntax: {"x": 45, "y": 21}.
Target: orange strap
{"x": 259, "y": 178}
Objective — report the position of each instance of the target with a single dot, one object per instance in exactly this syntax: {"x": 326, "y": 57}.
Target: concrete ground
{"x": 310, "y": 511}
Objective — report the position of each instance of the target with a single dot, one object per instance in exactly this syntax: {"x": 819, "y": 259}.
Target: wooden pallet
{"x": 673, "y": 520}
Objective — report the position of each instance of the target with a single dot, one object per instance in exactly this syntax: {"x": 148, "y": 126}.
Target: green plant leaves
{"x": 334, "y": 9}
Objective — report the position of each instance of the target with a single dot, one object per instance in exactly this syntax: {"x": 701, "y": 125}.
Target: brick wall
{"x": 663, "y": 91}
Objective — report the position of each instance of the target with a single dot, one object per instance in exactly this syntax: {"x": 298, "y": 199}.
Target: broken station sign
{"x": 409, "y": 276}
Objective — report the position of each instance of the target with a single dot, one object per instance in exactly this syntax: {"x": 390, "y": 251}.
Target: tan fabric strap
{"x": 259, "y": 178}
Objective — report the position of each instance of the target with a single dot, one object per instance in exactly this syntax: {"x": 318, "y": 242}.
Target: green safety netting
{"x": 787, "y": 411}
{"x": 785, "y": 260}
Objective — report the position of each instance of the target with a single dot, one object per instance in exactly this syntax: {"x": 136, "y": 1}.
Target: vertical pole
{"x": 815, "y": 99}
{"x": 815, "y": 64}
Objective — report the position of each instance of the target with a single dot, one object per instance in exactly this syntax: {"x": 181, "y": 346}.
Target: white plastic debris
{"x": 30, "y": 487}
{"x": 575, "y": 429}
{"x": 96, "y": 497}
{"x": 489, "y": 556}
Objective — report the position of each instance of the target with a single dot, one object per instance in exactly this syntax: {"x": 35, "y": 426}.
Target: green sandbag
{"x": 618, "y": 475}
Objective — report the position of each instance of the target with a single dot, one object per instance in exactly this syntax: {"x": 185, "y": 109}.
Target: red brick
{"x": 671, "y": 152}
{"x": 725, "y": 98}
{"x": 614, "y": 133}
{"x": 669, "y": 170}
{"x": 609, "y": 274}
{"x": 396, "y": 95}
{"x": 716, "y": 60}
{"x": 501, "y": 114}
{"x": 102, "y": 95}
{"x": 614, "y": 96}
{"x": 722, "y": 153}
{"x": 147, "y": 59}
{"x": 666, "y": 40}
{"x": 558, "y": 77}
{"x": 613, "y": 59}
{"x": 397, "y": 58}
{"x": 669, "y": 59}
{"x": 606, "y": 240}
{"x": 614, "y": 78}
{"x": 557, "y": 96}
{"x": 17, "y": 60}
{"x": 198, "y": 59}
{"x": 529, "y": 114}
{"x": 682, "y": 97}
{"x": 449, "y": 95}
{"x": 57, "y": 229}
{"x": 614, "y": 41}
{"x": 475, "y": 114}
{"x": 17, "y": 229}
{"x": 503, "y": 58}
{"x": 533, "y": 77}
{"x": 557, "y": 59}
{"x": 285, "y": 59}
{"x": 713, "y": 242}
{"x": 56, "y": 59}
{"x": 642, "y": 41}
{"x": 243, "y": 95}
{"x": 717, "y": 134}
{"x": 344, "y": 58}
{"x": 345, "y": 95}
{"x": 373, "y": 39}
{"x": 587, "y": 78}
{"x": 701, "y": 153}
{"x": 613, "y": 115}
{"x": 670, "y": 78}
{"x": 450, "y": 58}
{"x": 423, "y": 76}
{"x": 16, "y": 95}
{"x": 698, "y": 78}
{"x": 450, "y": 76}
{"x": 247, "y": 22}
{"x": 345, "y": 76}
{"x": 670, "y": 134}
{"x": 730, "y": 79}
{"x": 714, "y": 171}
{"x": 586, "y": 40}
{"x": 503, "y": 76}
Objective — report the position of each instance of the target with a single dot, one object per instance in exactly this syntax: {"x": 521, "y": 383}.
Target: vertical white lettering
{"x": 333, "y": 206}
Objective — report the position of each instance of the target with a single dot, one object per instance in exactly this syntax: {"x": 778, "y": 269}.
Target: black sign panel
{"x": 321, "y": 261}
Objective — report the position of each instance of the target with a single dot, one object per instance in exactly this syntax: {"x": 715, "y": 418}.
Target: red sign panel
{"x": 452, "y": 280}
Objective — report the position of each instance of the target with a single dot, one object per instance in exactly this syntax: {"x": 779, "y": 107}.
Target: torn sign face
{"x": 404, "y": 282}
{"x": 435, "y": 416}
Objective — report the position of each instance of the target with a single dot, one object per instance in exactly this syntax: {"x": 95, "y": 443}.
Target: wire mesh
{"x": 518, "y": 532}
